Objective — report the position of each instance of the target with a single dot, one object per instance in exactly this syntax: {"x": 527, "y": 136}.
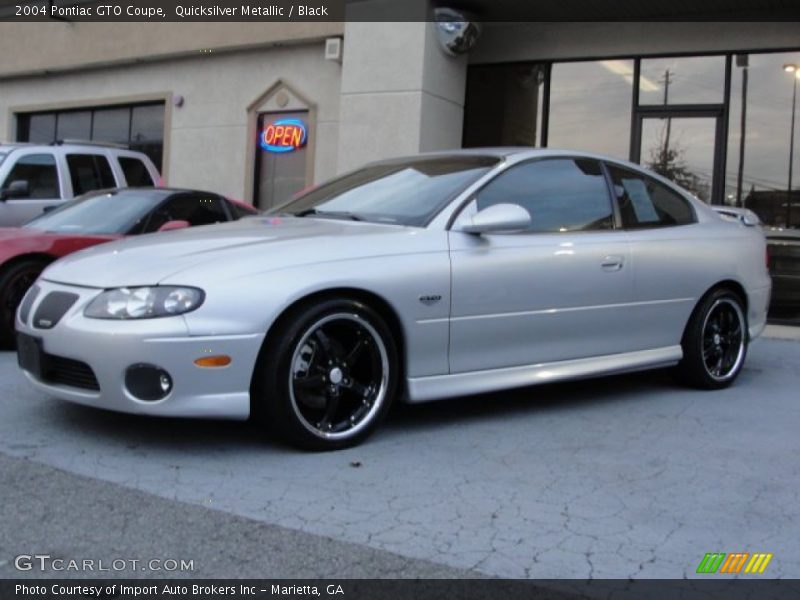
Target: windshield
{"x": 99, "y": 213}
{"x": 408, "y": 192}
{"x": 3, "y": 154}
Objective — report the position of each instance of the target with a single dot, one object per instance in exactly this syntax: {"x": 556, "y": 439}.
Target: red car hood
{"x": 15, "y": 241}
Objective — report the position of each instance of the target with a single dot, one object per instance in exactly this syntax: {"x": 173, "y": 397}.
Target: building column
{"x": 401, "y": 94}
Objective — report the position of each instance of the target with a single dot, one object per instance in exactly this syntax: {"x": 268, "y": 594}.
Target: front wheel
{"x": 14, "y": 283}
{"x": 715, "y": 341}
{"x": 330, "y": 375}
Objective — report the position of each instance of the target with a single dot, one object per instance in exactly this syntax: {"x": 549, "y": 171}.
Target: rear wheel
{"x": 329, "y": 376}
{"x": 15, "y": 280}
{"x": 715, "y": 341}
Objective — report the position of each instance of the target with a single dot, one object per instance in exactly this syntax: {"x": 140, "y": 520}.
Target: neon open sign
{"x": 284, "y": 135}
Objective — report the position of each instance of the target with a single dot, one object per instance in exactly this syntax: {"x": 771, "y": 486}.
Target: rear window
{"x": 136, "y": 173}
{"x": 643, "y": 202}
{"x": 89, "y": 172}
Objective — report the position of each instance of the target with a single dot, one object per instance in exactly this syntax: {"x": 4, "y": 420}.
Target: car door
{"x": 39, "y": 169}
{"x": 555, "y": 291}
{"x": 667, "y": 250}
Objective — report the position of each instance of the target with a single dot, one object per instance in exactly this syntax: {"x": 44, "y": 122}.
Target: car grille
{"x": 67, "y": 371}
{"x": 52, "y": 308}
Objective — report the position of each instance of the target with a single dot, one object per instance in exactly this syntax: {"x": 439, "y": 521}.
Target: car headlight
{"x": 144, "y": 302}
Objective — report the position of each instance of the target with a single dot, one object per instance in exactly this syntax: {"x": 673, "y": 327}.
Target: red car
{"x": 93, "y": 219}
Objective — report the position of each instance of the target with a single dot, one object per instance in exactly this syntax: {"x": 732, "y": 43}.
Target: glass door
{"x": 685, "y": 147}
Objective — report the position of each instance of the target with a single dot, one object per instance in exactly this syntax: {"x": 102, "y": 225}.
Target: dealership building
{"x": 260, "y": 110}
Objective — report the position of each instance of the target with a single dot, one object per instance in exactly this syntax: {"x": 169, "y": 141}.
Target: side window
{"x": 561, "y": 194}
{"x": 197, "y": 209}
{"x": 136, "y": 174}
{"x": 39, "y": 170}
{"x": 643, "y": 202}
{"x": 89, "y": 172}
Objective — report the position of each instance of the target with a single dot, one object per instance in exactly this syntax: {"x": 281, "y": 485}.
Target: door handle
{"x": 612, "y": 263}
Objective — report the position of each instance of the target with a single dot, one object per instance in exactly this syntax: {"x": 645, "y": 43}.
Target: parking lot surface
{"x": 630, "y": 476}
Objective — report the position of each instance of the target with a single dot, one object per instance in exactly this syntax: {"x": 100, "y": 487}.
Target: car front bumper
{"x": 109, "y": 348}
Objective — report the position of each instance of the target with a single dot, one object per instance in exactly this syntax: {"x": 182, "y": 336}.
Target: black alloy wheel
{"x": 333, "y": 375}
{"x": 715, "y": 341}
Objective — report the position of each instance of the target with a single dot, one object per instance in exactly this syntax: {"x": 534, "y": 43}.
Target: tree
{"x": 669, "y": 162}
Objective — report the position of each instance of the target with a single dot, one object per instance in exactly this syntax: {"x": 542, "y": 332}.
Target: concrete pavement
{"x": 619, "y": 477}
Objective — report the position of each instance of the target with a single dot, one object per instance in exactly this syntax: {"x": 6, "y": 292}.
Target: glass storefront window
{"x": 74, "y": 125}
{"x": 682, "y": 150}
{"x": 42, "y": 128}
{"x": 590, "y": 106}
{"x": 112, "y": 125}
{"x": 140, "y": 127}
{"x": 761, "y": 95}
{"x": 682, "y": 80}
{"x": 505, "y": 105}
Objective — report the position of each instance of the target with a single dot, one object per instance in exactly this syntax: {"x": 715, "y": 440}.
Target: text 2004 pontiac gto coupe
{"x": 425, "y": 277}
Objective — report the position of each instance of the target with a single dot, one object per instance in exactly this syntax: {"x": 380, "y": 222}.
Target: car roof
{"x": 76, "y": 146}
{"x": 162, "y": 191}
{"x": 513, "y": 152}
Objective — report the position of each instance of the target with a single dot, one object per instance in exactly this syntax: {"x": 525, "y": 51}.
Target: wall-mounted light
{"x": 177, "y": 101}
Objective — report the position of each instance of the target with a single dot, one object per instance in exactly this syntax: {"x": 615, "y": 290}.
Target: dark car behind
{"x": 783, "y": 247}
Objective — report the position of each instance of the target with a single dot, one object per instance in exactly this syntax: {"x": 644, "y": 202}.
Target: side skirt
{"x": 424, "y": 389}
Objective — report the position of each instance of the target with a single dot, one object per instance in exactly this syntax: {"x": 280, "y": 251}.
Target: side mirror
{"x": 19, "y": 188}
{"x": 498, "y": 218}
{"x": 172, "y": 225}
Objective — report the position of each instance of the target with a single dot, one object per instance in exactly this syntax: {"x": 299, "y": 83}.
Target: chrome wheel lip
{"x": 380, "y": 396}
{"x": 742, "y": 344}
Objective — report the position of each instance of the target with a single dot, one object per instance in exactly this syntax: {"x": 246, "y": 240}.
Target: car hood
{"x": 22, "y": 240}
{"x": 225, "y": 251}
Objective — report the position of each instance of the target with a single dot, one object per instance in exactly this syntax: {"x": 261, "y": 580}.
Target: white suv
{"x": 34, "y": 177}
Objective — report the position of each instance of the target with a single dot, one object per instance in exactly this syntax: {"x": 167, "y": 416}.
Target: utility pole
{"x": 666, "y": 80}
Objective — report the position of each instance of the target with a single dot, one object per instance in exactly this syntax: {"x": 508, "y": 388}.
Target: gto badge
{"x": 430, "y": 299}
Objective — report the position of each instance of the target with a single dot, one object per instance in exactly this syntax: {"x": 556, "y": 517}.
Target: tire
{"x": 15, "y": 280}
{"x": 715, "y": 341}
{"x": 327, "y": 376}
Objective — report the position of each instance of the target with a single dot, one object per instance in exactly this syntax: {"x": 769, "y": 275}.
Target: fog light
{"x": 148, "y": 382}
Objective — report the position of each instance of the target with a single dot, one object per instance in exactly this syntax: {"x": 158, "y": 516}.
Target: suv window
{"x": 39, "y": 170}
{"x": 198, "y": 209}
{"x": 89, "y": 172}
{"x": 561, "y": 194}
{"x": 136, "y": 173}
{"x": 643, "y": 202}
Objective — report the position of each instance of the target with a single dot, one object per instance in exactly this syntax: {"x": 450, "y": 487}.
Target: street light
{"x": 794, "y": 69}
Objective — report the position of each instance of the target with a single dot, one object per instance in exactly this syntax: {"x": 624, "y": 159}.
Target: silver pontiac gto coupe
{"x": 421, "y": 278}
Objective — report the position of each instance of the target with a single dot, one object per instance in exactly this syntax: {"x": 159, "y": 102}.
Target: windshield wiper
{"x": 334, "y": 214}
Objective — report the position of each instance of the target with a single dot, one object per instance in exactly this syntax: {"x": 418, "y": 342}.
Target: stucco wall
{"x": 207, "y": 136}
{"x": 36, "y": 47}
